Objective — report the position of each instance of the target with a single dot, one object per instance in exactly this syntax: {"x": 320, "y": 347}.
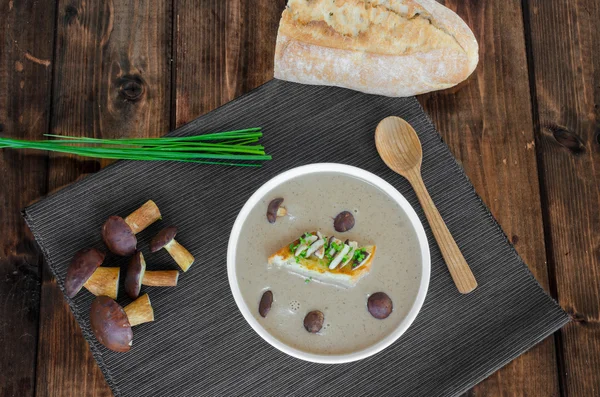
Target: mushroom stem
{"x": 182, "y": 256}
{"x": 143, "y": 217}
{"x": 160, "y": 278}
{"x": 104, "y": 281}
{"x": 140, "y": 311}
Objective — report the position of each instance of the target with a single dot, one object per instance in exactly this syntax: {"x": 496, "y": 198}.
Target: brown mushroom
{"x": 119, "y": 234}
{"x": 85, "y": 271}
{"x": 275, "y": 210}
{"x": 166, "y": 239}
{"x": 265, "y": 303}
{"x": 343, "y": 222}
{"x": 380, "y": 305}
{"x": 138, "y": 275}
{"x": 313, "y": 322}
{"x": 111, "y": 324}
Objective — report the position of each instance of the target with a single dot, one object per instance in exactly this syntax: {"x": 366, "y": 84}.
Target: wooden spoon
{"x": 400, "y": 149}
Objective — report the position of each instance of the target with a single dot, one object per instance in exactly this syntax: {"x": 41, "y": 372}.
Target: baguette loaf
{"x": 386, "y": 47}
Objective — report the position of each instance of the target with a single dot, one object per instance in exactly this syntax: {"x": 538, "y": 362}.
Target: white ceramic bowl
{"x": 367, "y": 177}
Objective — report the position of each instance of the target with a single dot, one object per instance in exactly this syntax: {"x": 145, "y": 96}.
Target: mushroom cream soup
{"x": 310, "y": 204}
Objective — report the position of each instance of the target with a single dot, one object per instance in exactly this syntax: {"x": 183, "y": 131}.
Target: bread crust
{"x": 315, "y": 53}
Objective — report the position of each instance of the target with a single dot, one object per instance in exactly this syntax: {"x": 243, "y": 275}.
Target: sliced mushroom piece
{"x": 320, "y": 252}
{"x": 119, "y": 234}
{"x": 353, "y": 246}
{"x": 138, "y": 275}
{"x": 309, "y": 240}
{"x": 314, "y": 247}
{"x": 111, "y": 324}
{"x": 275, "y": 210}
{"x": 332, "y": 240}
{"x": 339, "y": 257}
{"x": 85, "y": 271}
{"x": 166, "y": 239}
{"x": 357, "y": 264}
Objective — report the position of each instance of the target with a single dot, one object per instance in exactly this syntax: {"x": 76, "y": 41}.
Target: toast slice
{"x": 325, "y": 259}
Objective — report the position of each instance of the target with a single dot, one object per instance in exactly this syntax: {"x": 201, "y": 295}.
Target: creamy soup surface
{"x": 312, "y": 202}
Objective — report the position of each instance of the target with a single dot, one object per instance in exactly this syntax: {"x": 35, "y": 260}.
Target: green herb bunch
{"x": 236, "y": 148}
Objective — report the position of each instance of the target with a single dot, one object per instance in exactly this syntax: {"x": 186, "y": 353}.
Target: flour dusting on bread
{"x": 387, "y": 47}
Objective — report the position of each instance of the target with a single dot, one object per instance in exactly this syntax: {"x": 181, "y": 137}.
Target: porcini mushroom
{"x": 275, "y": 210}
{"x": 343, "y": 222}
{"x": 119, "y": 234}
{"x": 138, "y": 275}
{"x": 166, "y": 239}
{"x": 85, "y": 271}
{"x": 111, "y": 324}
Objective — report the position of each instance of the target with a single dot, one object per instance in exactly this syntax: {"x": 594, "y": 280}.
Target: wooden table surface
{"x": 525, "y": 127}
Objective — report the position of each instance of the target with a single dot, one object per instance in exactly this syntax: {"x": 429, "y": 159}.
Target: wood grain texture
{"x": 112, "y": 79}
{"x": 225, "y": 48}
{"x": 26, "y": 45}
{"x": 487, "y": 123}
{"x": 565, "y": 42}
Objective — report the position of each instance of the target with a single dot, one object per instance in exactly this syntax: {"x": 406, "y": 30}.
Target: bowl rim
{"x": 367, "y": 177}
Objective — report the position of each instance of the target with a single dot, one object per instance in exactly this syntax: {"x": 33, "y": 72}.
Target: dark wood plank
{"x": 566, "y": 68}
{"x": 112, "y": 80}
{"x": 487, "y": 123}
{"x": 225, "y": 48}
{"x": 26, "y": 44}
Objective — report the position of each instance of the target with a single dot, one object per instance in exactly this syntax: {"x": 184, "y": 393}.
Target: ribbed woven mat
{"x": 200, "y": 343}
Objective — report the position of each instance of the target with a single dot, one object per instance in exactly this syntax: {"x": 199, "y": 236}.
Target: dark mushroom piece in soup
{"x": 343, "y": 222}
{"x": 380, "y": 305}
{"x": 275, "y": 210}
{"x": 265, "y": 303}
{"x": 313, "y": 322}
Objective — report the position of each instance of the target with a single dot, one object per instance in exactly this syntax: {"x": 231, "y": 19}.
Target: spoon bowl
{"x": 398, "y": 145}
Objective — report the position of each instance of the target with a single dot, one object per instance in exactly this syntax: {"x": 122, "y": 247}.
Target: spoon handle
{"x": 457, "y": 265}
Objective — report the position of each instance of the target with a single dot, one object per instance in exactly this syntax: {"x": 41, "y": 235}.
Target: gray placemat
{"x": 200, "y": 343}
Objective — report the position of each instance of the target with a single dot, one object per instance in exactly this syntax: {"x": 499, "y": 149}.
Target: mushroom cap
{"x": 163, "y": 238}
{"x": 343, "y": 222}
{"x": 110, "y": 325}
{"x": 82, "y": 266}
{"x": 313, "y": 322}
{"x": 380, "y": 305}
{"x": 118, "y": 236}
{"x": 135, "y": 275}
{"x": 273, "y": 208}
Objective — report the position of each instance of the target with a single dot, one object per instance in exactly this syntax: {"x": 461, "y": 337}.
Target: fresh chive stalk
{"x": 225, "y": 148}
